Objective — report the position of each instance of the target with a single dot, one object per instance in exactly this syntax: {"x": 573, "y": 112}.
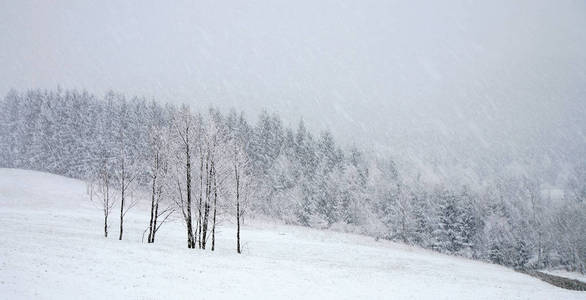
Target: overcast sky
{"x": 430, "y": 80}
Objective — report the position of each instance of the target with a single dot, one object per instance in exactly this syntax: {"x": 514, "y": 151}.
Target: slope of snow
{"x": 52, "y": 246}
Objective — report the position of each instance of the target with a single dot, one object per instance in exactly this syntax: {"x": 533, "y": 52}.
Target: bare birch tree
{"x": 159, "y": 147}
{"x": 104, "y": 189}
{"x": 184, "y": 129}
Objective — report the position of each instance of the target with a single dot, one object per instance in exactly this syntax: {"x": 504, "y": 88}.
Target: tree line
{"x": 200, "y": 165}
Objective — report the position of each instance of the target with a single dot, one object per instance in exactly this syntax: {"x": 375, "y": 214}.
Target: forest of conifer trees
{"x": 195, "y": 166}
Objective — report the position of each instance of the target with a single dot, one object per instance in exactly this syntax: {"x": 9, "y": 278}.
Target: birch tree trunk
{"x": 237, "y": 177}
{"x": 122, "y": 201}
{"x": 190, "y": 240}
{"x": 215, "y": 202}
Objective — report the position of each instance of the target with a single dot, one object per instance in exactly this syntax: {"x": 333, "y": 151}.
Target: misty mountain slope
{"x": 52, "y": 247}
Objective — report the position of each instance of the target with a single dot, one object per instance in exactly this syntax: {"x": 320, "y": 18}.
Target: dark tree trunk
{"x": 155, "y": 222}
{"x": 206, "y": 209}
{"x": 122, "y": 203}
{"x": 151, "y": 227}
{"x": 204, "y": 228}
{"x": 106, "y": 226}
{"x": 237, "y": 209}
{"x": 106, "y": 204}
{"x": 215, "y": 202}
{"x": 190, "y": 240}
{"x": 199, "y": 221}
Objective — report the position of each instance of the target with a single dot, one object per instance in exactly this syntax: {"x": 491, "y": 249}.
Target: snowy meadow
{"x": 53, "y": 248}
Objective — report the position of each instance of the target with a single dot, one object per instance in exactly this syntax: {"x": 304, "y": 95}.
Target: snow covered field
{"x": 52, "y": 247}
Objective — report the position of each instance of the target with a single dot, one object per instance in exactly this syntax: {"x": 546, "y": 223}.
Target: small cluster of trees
{"x": 201, "y": 166}
{"x": 204, "y": 162}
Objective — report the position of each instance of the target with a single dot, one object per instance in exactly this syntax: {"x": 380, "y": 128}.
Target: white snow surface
{"x": 52, "y": 247}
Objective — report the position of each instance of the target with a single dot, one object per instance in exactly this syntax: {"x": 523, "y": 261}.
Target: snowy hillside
{"x": 52, "y": 246}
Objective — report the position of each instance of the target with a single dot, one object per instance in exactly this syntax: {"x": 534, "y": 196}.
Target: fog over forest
{"x": 454, "y": 91}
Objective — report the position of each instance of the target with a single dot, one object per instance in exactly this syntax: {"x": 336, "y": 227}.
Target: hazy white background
{"x": 454, "y": 88}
